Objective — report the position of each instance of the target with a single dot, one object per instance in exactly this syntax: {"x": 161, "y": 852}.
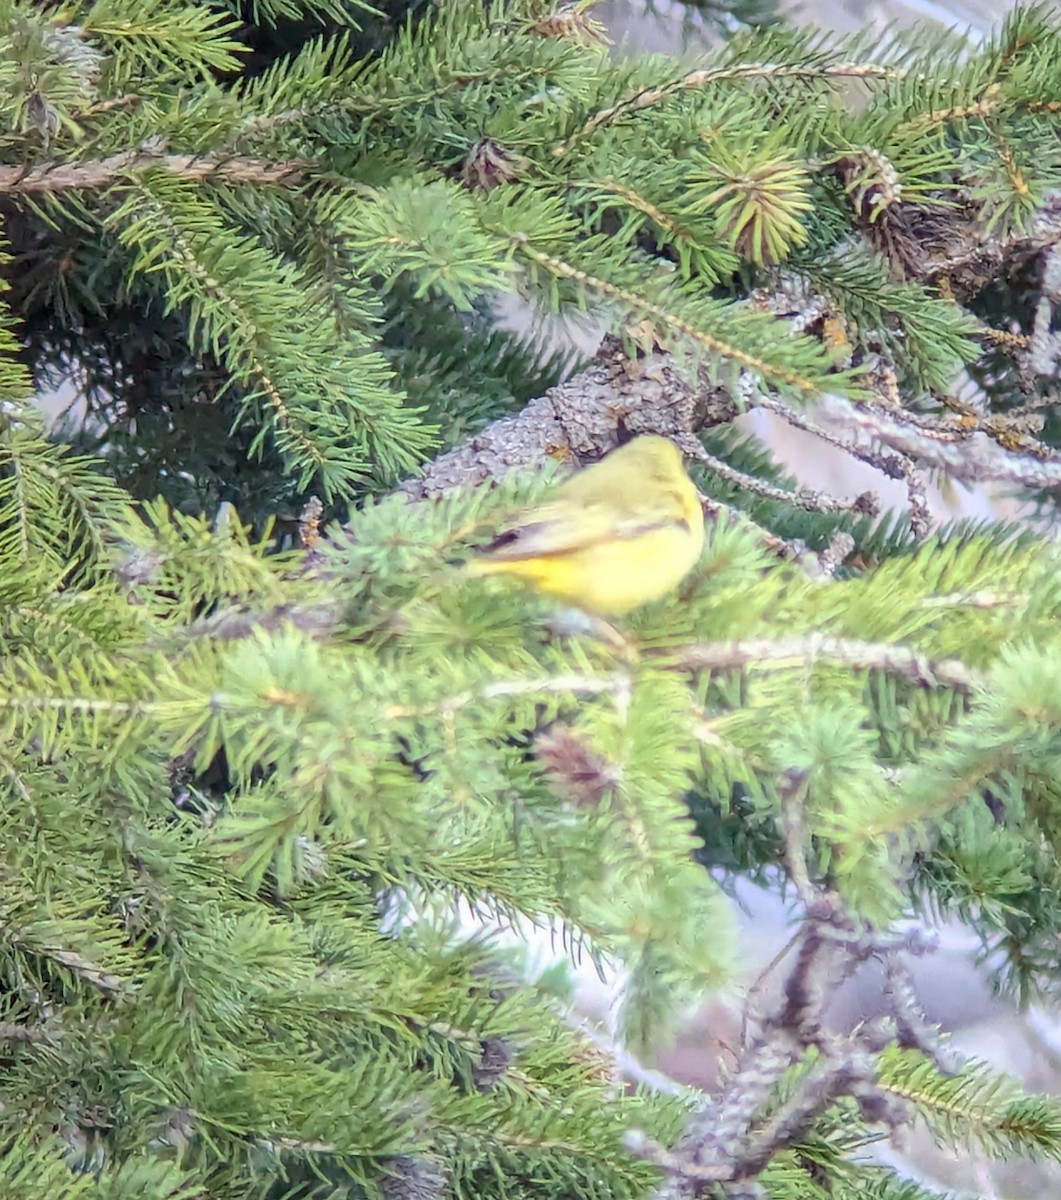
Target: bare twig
{"x": 795, "y": 1068}
{"x": 64, "y": 177}
{"x": 976, "y": 460}
{"x": 16, "y": 1031}
{"x": 865, "y": 504}
{"x": 625, "y": 1065}
{"x": 913, "y": 1029}
{"x": 887, "y": 461}
{"x": 695, "y": 80}
{"x": 764, "y": 653}
{"x": 618, "y": 685}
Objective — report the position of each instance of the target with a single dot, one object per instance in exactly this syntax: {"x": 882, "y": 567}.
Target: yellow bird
{"x": 612, "y": 537}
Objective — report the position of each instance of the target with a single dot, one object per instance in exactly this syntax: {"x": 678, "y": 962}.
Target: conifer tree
{"x": 255, "y": 758}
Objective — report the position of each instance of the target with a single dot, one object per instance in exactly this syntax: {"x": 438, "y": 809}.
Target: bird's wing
{"x": 557, "y": 529}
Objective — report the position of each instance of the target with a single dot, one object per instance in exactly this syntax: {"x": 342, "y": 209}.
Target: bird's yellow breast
{"x": 613, "y": 577}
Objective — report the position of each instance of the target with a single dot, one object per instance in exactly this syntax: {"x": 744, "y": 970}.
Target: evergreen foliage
{"x": 246, "y": 790}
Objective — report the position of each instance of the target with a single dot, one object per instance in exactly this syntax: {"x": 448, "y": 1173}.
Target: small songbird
{"x": 617, "y": 535}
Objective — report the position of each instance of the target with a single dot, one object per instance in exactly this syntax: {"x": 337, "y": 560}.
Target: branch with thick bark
{"x": 582, "y": 417}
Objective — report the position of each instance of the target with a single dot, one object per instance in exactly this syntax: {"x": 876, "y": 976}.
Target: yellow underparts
{"x": 612, "y": 576}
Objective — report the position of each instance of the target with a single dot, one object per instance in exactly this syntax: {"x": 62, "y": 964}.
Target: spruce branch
{"x": 764, "y": 654}
{"x": 888, "y": 461}
{"x": 19, "y": 1031}
{"x": 809, "y": 499}
{"x": 246, "y": 815}
{"x": 1013, "y": 430}
{"x": 94, "y": 175}
{"x": 1043, "y": 344}
{"x": 584, "y": 415}
{"x": 696, "y": 80}
{"x": 617, "y": 685}
{"x": 78, "y": 964}
{"x": 973, "y": 460}
{"x": 913, "y": 1031}
{"x": 726, "y": 1142}
{"x": 751, "y": 361}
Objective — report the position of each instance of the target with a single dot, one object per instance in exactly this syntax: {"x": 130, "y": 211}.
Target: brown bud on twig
{"x": 577, "y": 772}
{"x": 488, "y": 164}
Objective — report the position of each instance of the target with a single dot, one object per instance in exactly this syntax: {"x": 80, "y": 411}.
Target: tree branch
{"x": 100, "y": 173}
{"x": 582, "y": 417}
{"x": 763, "y": 653}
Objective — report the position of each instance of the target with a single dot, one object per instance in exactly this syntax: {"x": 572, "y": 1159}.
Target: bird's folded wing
{"x": 561, "y": 530}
